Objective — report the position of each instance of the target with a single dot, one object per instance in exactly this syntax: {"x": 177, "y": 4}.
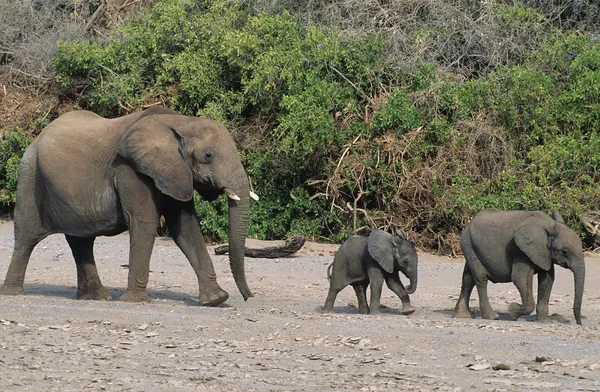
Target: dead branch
{"x": 290, "y": 247}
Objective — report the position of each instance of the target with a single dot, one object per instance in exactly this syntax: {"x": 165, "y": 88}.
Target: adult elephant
{"x": 505, "y": 246}
{"x": 87, "y": 176}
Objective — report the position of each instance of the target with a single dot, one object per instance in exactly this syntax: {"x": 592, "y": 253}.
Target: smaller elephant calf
{"x": 361, "y": 261}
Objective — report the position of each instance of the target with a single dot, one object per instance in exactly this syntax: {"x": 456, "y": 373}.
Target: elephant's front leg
{"x": 394, "y": 283}
{"x": 141, "y": 242}
{"x": 545, "y": 282}
{"x": 140, "y": 209}
{"x": 185, "y": 230}
{"x": 376, "y": 282}
{"x": 522, "y": 277}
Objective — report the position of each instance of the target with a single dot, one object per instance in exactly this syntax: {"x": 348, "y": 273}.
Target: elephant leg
{"x": 331, "y": 296}
{"x": 522, "y": 277}
{"x": 89, "y": 285}
{"x": 139, "y": 201}
{"x": 140, "y": 249}
{"x": 545, "y": 282}
{"x": 25, "y": 242}
{"x": 395, "y": 284}
{"x": 361, "y": 296}
{"x": 185, "y": 230}
{"x": 376, "y": 282}
{"x": 461, "y": 310}
{"x": 487, "y": 311}
{"x": 479, "y": 274}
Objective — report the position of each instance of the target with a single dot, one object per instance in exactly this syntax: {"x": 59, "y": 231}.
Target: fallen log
{"x": 290, "y": 246}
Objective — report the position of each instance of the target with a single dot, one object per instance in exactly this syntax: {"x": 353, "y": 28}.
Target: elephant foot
{"x": 363, "y": 310}
{"x": 373, "y": 310}
{"x": 545, "y": 319}
{"x": 408, "y": 309}
{"x": 215, "y": 299}
{"x": 134, "y": 296}
{"x": 491, "y": 315}
{"x": 327, "y": 309}
{"x": 462, "y": 314}
{"x": 515, "y": 311}
{"x": 12, "y": 290}
{"x": 94, "y": 295}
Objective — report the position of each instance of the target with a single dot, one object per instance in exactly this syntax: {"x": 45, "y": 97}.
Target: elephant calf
{"x": 369, "y": 260}
{"x": 512, "y": 246}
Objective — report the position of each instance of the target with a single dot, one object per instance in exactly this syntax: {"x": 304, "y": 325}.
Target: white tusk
{"x": 233, "y": 196}
{"x": 254, "y": 195}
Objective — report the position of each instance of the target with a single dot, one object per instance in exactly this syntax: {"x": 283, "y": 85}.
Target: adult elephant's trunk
{"x": 579, "y": 277}
{"x": 238, "y": 223}
{"x": 412, "y": 287}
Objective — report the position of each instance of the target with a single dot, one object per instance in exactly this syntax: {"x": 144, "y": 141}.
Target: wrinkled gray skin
{"x": 512, "y": 246}
{"x": 361, "y": 261}
{"x": 87, "y": 176}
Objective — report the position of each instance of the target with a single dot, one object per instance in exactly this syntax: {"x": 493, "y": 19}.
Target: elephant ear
{"x": 381, "y": 248}
{"x": 557, "y": 217}
{"x": 400, "y": 234}
{"x": 153, "y": 148}
{"x": 531, "y": 237}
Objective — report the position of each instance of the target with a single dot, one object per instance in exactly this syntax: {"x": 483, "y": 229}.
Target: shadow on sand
{"x": 70, "y": 292}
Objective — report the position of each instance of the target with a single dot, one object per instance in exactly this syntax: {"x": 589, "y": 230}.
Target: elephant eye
{"x": 205, "y": 156}
{"x": 565, "y": 252}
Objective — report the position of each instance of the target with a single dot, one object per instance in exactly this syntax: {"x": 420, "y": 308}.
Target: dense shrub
{"x": 419, "y": 116}
{"x": 12, "y": 147}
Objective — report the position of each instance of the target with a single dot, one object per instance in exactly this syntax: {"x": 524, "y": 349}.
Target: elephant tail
{"x": 329, "y": 271}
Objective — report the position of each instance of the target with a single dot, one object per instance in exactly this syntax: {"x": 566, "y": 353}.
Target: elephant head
{"x": 185, "y": 153}
{"x": 395, "y": 253}
{"x": 547, "y": 242}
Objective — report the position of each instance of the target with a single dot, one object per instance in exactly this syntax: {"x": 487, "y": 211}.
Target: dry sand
{"x": 278, "y": 340}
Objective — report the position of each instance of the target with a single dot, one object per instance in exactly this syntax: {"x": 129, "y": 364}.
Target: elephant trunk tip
{"x": 246, "y": 294}
{"x": 411, "y": 289}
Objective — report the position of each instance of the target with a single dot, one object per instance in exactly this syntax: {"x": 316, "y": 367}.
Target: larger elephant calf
{"x": 512, "y": 246}
{"x": 87, "y": 176}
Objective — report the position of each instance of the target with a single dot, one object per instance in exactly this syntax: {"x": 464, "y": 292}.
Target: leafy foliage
{"x": 12, "y": 147}
{"x": 338, "y": 138}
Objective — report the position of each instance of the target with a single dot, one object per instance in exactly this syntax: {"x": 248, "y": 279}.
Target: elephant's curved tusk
{"x": 254, "y": 195}
{"x": 233, "y": 196}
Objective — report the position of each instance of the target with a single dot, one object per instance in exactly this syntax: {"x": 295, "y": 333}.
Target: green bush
{"x": 12, "y": 147}
{"x": 325, "y": 122}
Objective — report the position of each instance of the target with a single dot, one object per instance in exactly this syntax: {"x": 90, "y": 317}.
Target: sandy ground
{"x": 278, "y": 340}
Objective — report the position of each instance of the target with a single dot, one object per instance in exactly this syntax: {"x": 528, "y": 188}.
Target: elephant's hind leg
{"x": 522, "y": 277}
{"x": 89, "y": 285}
{"x": 361, "y": 297}
{"x": 25, "y": 241}
{"x": 331, "y": 295}
{"x": 461, "y": 310}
